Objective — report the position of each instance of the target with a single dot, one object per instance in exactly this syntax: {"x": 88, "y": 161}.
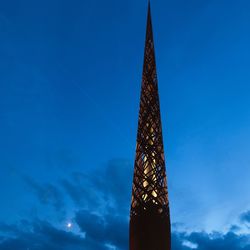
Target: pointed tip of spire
{"x": 149, "y": 24}
{"x": 149, "y": 8}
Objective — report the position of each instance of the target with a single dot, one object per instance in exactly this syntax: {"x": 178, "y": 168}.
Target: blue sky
{"x": 70, "y": 75}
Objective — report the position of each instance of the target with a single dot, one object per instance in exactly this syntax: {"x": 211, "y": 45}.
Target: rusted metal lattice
{"x": 149, "y": 206}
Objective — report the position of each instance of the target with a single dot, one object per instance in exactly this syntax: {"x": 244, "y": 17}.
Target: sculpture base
{"x": 150, "y": 230}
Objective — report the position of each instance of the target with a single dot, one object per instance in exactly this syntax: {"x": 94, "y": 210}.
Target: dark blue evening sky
{"x": 70, "y": 75}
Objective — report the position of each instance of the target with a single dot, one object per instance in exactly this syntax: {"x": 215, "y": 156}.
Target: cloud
{"x": 101, "y": 189}
{"x": 47, "y": 194}
{"x": 234, "y": 228}
{"x": 9, "y": 229}
{"x": 41, "y": 235}
{"x": 81, "y": 192}
{"x": 109, "y": 228}
{"x": 245, "y": 217}
{"x": 217, "y": 240}
{"x": 113, "y": 229}
{"x": 101, "y": 201}
{"x": 104, "y": 231}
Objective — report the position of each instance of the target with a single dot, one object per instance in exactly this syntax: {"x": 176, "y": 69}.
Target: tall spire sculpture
{"x": 149, "y": 213}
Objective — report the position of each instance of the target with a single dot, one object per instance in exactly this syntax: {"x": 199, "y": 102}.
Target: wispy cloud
{"x": 47, "y": 194}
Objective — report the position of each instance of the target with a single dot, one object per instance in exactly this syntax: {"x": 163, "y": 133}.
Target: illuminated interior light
{"x": 154, "y": 194}
{"x": 144, "y": 197}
